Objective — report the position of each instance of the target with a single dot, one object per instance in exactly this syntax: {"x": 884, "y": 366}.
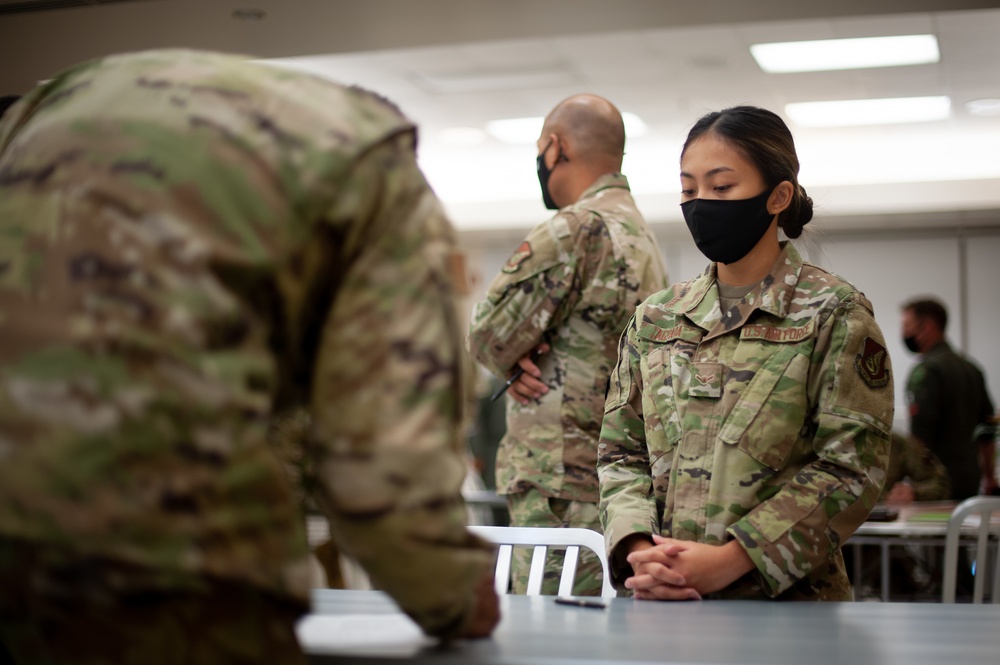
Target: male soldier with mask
{"x": 950, "y": 408}
{"x": 189, "y": 244}
{"x": 566, "y": 294}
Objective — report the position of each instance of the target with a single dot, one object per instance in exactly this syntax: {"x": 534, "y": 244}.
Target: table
{"x": 536, "y": 630}
{"x": 485, "y": 498}
{"x": 909, "y": 528}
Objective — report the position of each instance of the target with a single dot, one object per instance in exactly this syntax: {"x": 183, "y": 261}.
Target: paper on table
{"x": 386, "y": 634}
{"x": 390, "y": 634}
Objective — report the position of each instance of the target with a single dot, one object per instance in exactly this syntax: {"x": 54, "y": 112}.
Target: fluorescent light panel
{"x": 855, "y": 112}
{"x": 516, "y": 130}
{"x": 833, "y": 54}
{"x": 526, "y": 130}
{"x": 983, "y": 107}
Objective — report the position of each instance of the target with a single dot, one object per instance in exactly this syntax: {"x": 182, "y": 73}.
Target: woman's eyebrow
{"x": 715, "y": 171}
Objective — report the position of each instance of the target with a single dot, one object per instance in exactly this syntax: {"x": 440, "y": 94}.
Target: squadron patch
{"x": 870, "y": 364}
{"x": 520, "y": 255}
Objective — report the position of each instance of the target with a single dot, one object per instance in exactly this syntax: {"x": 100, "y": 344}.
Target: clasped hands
{"x": 670, "y": 569}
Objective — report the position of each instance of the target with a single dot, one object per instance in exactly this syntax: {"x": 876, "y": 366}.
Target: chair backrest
{"x": 541, "y": 539}
{"x": 983, "y": 507}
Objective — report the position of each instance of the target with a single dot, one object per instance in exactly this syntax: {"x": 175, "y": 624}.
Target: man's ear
{"x": 549, "y": 141}
{"x": 781, "y": 197}
{"x": 563, "y": 147}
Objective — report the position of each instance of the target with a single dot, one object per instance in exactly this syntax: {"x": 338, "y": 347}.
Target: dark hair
{"x": 928, "y": 308}
{"x": 6, "y": 101}
{"x": 765, "y": 141}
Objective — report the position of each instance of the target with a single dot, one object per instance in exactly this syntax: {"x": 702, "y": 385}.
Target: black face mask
{"x": 726, "y": 231}
{"x": 543, "y": 178}
{"x": 911, "y": 343}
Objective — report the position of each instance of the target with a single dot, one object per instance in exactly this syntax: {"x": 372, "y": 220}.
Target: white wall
{"x": 960, "y": 268}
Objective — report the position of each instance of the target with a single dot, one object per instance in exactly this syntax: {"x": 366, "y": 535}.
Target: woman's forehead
{"x": 711, "y": 151}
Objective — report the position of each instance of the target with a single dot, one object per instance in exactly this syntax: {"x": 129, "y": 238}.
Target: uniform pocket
{"x": 766, "y": 421}
{"x": 662, "y": 422}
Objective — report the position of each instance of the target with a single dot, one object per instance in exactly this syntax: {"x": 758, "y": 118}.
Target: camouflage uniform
{"x": 950, "y": 411}
{"x": 573, "y": 283}
{"x": 912, "y": 461}
{"x": 190, "y": 243}
{"x": 768, "y": 424}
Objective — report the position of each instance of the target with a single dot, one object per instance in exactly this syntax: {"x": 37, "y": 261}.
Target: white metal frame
{"x": 984, "y": 507}
{"x": 541, "y": 539}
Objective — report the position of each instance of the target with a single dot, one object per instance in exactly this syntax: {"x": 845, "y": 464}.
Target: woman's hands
{"x": 669, "y": 569}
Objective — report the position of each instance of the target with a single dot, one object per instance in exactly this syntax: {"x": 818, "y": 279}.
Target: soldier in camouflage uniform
{"x": 569, "y": 288}
{"x": 914, "y": 473}
{"x": 746, "y": 432}
{"x": 190, "y": 243}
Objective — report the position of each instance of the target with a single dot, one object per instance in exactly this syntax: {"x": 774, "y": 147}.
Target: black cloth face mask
{"x": 911, "y": 344}
{"x": 726, "y": 231}
{"x": 543, "y": 177}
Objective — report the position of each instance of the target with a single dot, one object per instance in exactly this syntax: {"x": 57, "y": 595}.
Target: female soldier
{"x": 746, "y": 431}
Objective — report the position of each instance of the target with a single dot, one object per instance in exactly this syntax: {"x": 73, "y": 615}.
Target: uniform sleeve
{"x": 627, "y": 505}
{"x": 535, "y": 291}
{"x": 387, "y": 395}
{"x": 797, "y": 530}
{"x": 928, "y": 477}
{"x": 985, "y": 431}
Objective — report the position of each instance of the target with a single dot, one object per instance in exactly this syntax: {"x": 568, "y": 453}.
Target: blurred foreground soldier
{"x": 6, "y": 101}
{"x": 566, "y": 292}
{"x": 190, "y": 243}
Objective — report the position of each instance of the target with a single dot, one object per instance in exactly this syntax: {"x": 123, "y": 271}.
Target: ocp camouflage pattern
{"x": 189, "y": 244}
{"x": 912, "y": 461}
{"x": 768, "y": 424}
{"x": 573, "y": 283}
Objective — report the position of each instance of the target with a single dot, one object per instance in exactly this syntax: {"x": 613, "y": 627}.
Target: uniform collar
{"x": 940, "y": 347}
{"x": 606, "y": 181}
{"x": 773, "y": 295}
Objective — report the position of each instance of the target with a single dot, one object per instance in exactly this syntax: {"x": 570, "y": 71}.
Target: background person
{"x": 566, "y": 292}
{"x": 746, "y": 432}
{"x": 191, "y": 244}
{"x": 950, "y": 408}
{"x": 914, "y": 473}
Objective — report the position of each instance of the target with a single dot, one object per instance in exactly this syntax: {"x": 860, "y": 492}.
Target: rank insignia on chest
{"x": 706, "y": 380}
{"x": 871, "y": 363}
{"x": 520, "y": 255}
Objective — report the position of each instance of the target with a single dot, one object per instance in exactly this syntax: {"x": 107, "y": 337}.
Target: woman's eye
{"x": 687, "y": 192}
{"x": 722, "y": 188}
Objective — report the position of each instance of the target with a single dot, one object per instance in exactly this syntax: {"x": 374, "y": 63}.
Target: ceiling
{"x": 463, "y": 63}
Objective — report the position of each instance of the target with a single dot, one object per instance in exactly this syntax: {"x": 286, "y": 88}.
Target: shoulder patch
{"x": 520, "y": 255}
{"x": 870, "y": 364}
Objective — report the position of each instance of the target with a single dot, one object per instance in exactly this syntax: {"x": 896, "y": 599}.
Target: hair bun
{"x": 797, "y": 215}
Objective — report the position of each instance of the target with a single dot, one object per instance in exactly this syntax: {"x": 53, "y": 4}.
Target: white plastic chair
{"x": 984, "y": 507}
{"x": 541, "y": 539}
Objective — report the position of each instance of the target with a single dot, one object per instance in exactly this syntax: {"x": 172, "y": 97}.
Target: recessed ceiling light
{"x": 516, "y": 130}
{"x": 634, "y": 126}
{"x": 526, "y": 130}
{"x": 832, "y": 54}
{"x": 983, "y": 107}
{"x": 463, "y": 136}
{"x": 854, "y": 112}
